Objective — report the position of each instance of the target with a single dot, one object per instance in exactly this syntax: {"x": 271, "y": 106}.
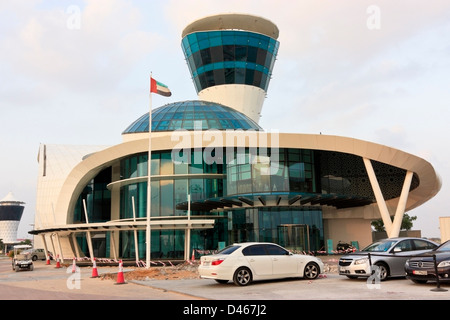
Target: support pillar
{"x": 45, "y": 245}
{"x": 113, "y": 244}
{"x": 395, "y": 231}
{"x": 75, "y": 244}
{"x": 378, "y": 196}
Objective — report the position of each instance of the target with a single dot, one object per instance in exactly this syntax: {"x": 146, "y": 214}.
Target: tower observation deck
{"x": 231, "y": 57}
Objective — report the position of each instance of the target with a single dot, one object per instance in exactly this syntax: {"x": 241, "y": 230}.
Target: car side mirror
{"x": 397, "y": 249}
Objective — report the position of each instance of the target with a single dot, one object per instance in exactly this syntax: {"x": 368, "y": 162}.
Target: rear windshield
{"x": 229, "y": 249}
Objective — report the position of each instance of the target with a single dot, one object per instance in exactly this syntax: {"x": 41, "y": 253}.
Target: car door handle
{"x": 275, "y": 259}
{"x": 252, "y": 260}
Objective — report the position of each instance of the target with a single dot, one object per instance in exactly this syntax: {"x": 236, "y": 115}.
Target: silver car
{"x": 385, "y": 257}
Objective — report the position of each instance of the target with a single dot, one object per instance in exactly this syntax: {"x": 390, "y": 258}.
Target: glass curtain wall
{"x": 250, "y": 173}
{"x": 166, "y": 194}
{"x": 97, "y": 198}
{"x": 230, "y": 57}
{"x": 265, "y": 224}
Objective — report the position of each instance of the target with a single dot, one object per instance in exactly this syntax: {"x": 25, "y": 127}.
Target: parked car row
{"x": 399, "y": 257}
{"x": 243, "y": 263}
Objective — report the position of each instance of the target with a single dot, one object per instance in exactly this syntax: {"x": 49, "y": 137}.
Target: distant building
{"x": 444, "y": 225}
{"x": 11, "y": 211}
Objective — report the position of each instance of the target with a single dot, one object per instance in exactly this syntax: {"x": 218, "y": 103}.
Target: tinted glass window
{"x": 213, "y": 50}
{"x": 229, "y": 249}
{"x": 170, "y": 117}
{"x": 423, "y": 245}
{"x": 276, "y": 251}
{"x": 256, "y": 250}
{"x": 405, "y": 245}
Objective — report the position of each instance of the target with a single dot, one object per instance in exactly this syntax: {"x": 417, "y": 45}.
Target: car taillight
{"x": 217, "y": 262}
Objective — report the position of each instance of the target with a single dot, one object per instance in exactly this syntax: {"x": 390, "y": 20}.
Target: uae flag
{"x": 159, "y": 88}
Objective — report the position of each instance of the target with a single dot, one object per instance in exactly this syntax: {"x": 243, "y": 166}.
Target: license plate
{"x": 206, "y": 263}
{"x": 343, "y": 270}
{"x": 420, "y": 272}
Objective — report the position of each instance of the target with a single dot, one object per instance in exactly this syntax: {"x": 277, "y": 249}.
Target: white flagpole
{"x": 149, "y": 185}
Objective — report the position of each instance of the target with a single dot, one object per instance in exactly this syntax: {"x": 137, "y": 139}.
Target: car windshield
{"x": 228, "y": 250}
{"x": 380, "y": 246}
{"x": 444, "y": 247}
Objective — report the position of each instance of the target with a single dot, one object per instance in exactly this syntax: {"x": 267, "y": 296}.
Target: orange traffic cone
{"x": 94, "y": 270}
{"x": 193, "y": 255}
{"x": 74, "y": 266}
{"x": 58, "y": 264}
{"x": 120, "y": 278}
{"x": 48, "y": 259}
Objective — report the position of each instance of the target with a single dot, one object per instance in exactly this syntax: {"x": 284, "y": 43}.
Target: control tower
{"x": 231, "y": 57}
{"x": 11, "y": 211}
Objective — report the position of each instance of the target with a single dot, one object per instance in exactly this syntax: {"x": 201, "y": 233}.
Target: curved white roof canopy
{"x": 429, "y": 186}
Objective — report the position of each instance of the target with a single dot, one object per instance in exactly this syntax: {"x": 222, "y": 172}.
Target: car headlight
{"x": 361, "y": 261}
{"x": 445, "y": 263}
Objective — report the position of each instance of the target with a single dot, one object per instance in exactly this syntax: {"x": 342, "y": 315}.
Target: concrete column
{"x": 45, "y": 245}
{"x": 113, "y": 244}
{"x": 378, "y": 196}
{"x": 75, "y": 244}
{"x": 395, "y": 231}
{"x": 89, "y": 242}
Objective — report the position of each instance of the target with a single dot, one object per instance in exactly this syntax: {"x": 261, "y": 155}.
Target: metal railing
{"x": 438, "y": 284}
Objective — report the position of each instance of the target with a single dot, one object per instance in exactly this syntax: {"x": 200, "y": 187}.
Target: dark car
{"x": 421, "y": 268}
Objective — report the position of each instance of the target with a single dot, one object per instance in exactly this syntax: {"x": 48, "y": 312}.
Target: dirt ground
{"x": 181, "y": 271}
{"x": 187, "y": 270}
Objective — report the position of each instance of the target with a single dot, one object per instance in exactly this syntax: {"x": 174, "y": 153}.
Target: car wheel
{"x": 311, "y": 271}
{"x": 31, "y": 268}
{"x": 242, "y": 276}
{"x": 34, "y": 258}
{"x": 221, "y": 281}
{"x": 383, "y": 269}
{"x": 17, "y": 268}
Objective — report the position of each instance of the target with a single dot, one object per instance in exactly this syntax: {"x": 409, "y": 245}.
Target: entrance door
{"x": 294, "y": 237}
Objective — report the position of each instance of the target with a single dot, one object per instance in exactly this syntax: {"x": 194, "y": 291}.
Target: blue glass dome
{"x": 187, "y": 114}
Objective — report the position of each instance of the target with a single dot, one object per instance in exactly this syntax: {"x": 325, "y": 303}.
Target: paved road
{"x": 47, "y": 282}
{"x": 333, "y": 287}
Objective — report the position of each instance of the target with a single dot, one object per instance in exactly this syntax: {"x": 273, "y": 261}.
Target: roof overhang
{"x": 429, "y": 186}
{"x": 233, "y": 21}
{"x": 122, "y": 225}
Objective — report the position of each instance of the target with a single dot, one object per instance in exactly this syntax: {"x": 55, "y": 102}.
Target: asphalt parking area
{"x": 62, "y": 284}
{"x": 328, "y": 287}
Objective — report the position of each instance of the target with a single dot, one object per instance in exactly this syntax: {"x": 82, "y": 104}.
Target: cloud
{"x": 93, "y": 56}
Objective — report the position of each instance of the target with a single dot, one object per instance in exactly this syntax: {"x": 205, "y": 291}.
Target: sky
{"x": 77, "y": 73}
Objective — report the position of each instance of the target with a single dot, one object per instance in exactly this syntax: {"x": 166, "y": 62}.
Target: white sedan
{"x": 243, "y": 263}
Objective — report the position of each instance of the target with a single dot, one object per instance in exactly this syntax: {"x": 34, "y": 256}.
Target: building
{"x": 444, "y": 226}
{"x": 11, "y": 211}
{"x": 216, "y": 176}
